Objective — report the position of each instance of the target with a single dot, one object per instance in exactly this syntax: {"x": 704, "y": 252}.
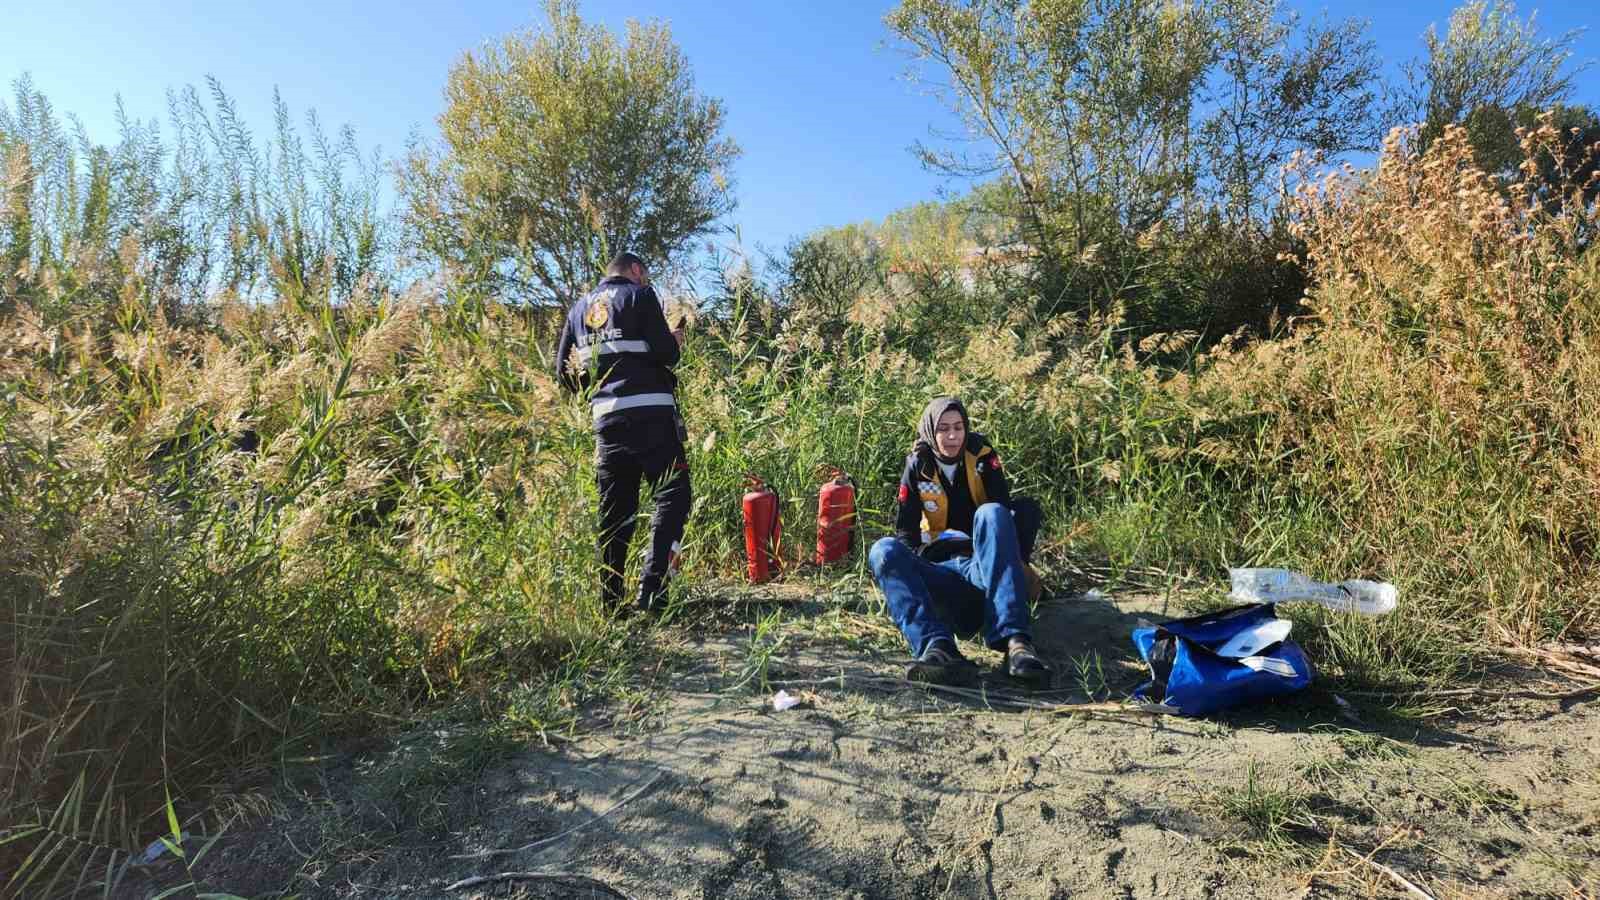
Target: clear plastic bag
{"x": 1372, "y": 598}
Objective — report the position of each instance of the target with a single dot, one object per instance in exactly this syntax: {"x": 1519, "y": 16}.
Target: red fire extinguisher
{"x": 762, "y": 531}
{"x": 836, "y": 518}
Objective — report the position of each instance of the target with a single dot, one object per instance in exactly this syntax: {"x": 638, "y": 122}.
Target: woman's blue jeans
{"x": 985, "y": 593}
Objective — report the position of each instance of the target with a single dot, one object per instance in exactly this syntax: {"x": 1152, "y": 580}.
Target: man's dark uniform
{"x": 617, "y": 339}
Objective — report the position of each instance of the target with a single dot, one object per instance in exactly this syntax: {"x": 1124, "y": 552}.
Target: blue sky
{"x": 814, "y": 91}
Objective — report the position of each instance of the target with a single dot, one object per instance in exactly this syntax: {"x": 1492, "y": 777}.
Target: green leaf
{"x": 172, "y": 823}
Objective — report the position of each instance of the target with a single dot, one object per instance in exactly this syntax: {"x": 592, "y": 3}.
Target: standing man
{"x": 615, "y": 344}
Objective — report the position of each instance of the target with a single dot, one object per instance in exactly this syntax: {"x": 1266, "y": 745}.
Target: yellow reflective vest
{"x": 936, "y": 503}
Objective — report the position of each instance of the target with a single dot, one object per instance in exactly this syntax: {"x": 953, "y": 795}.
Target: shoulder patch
{"x": 994, "y": 462}
{"x": 905, "y": 493}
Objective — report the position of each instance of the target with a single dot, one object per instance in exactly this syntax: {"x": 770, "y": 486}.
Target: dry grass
{"x": 1440, "y": 405}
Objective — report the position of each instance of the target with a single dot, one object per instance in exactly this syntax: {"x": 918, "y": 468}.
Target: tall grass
{"x": 403, "y": 530}
{"x": 1441, "y": 406}
{"x": 208, "y": 207}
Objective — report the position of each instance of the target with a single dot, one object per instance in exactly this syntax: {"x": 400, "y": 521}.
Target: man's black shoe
{"x": 941, "y": 663}
{"x": 1023, "y": 664}
{"x": 650, "y": 604}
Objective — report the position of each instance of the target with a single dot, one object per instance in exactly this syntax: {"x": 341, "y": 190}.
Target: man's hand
{"x": 677, "y": 335}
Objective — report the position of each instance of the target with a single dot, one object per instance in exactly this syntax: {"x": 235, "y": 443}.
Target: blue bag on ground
{"x": 1190, "y": 675}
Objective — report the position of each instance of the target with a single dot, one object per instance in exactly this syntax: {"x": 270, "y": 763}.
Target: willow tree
{"x": 561, "y": 145}
{"x": 1493, "y": 72}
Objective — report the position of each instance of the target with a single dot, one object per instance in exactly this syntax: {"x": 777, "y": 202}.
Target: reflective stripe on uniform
{"x": 613, "y": 404}
{"x": 586, "y": 353}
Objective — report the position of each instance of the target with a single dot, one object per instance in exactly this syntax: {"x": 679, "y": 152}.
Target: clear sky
{"x": 813, "y": 90}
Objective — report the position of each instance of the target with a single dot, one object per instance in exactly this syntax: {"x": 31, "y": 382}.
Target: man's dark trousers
{"x": 642, "y": 444}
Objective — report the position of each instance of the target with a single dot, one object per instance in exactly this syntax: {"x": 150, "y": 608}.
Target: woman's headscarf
{"x": 928, "y": 425}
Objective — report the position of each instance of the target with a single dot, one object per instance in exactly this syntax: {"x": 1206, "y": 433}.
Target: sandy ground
{"x": 872, "y": 788}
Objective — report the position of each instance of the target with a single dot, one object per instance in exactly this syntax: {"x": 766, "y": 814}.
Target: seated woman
{"x": 957, "y": 564}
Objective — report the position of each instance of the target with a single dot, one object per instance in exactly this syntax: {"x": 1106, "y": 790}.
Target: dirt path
{"x": 875, "y": 789}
